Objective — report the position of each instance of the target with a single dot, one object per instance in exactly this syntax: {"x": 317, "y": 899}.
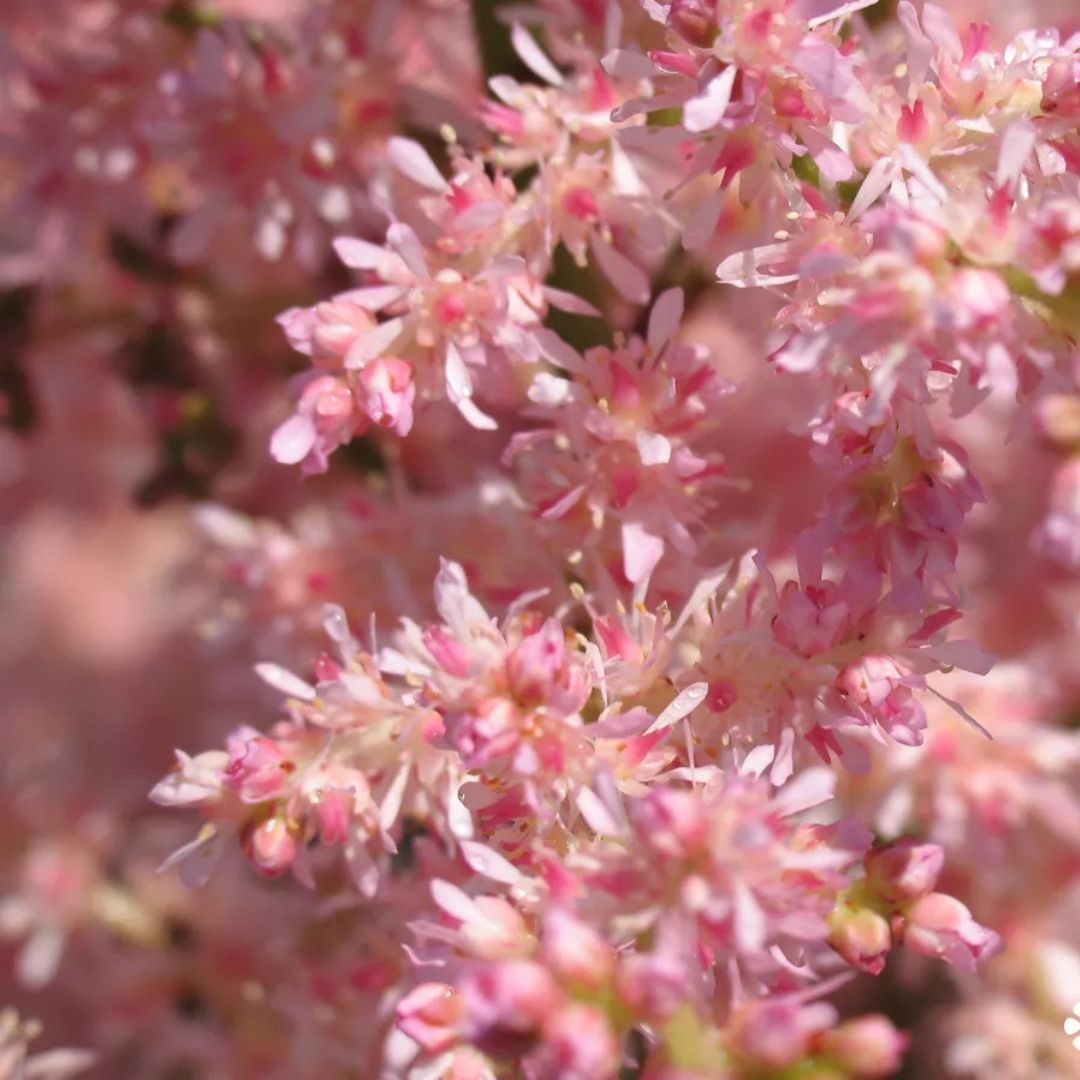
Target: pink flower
{"x": 385, "y": 391}
{"x": 258, "y": 769}
{"x": 326, "y": 418}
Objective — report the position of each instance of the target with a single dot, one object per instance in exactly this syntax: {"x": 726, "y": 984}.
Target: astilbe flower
{"x": 632, "y": 795}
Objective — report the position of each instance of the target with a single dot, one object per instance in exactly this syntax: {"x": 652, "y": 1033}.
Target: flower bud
{"x": 905, "y": 870}
{"x": 861, "y": 936}
{"x": 271, "y": 845}
{"x": 939, "y": 925}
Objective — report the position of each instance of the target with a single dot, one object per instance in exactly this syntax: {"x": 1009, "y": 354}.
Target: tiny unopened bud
{"x": 861, "y": 936}
{"x": 270, "y": 845}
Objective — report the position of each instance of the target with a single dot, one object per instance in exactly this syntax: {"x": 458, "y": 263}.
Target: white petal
{"x": 550, "y": 390}
{"x": 757, "y": 761}
{"x": 881, "y": 175}
{"x": 58, "y": 1064}
{"x": 411, "y": 159}
{"x": 653, "y": 449}
{"x": 479, "y": 216}
{"x": 642, "y": 550}
{"x": 455, "y": 902}
{"x": 474, "y": 416}
{"x": 810, "y": 788}
{"x": 596, "y": 814}
{"x": 554, "y": 349}
{"x": 629, "y": 279}
{"x": 39, "y": 958}
{"x": 568, "y": 302}
{"x": 665, "y": 317}
{"x": 374, "y": 343}
{"x": 360, "y": 254}
{"x": 293, "y": 440}
{"x": 686, "y": 702}
{"x": 407, "y": 244}
{"x": 1016, "y": 146}
{"x": 533, "y": 57}
{"x": 285, "y": 681}
{"x": 490, "y": 863}
{"x": 707, "y": 109}
{"x": 458, "y": 379}
{"x": 391, "y": 804}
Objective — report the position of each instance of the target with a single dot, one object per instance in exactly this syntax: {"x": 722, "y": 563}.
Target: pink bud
{"x": 386, "y": 391}
{"x": 868, "y": 1046}
{"x": 431, "y": 1015}
{"x": 904, "y": 870}
{"x": 861, "y": 936}
{"x": 939, "y": 925}
{"x": 270, "y": 845}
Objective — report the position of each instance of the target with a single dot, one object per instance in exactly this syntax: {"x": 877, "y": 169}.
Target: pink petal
{"x": 686, "y": 702}
{"x": 665, "y": 318}
{"x": 641, "y": 551}
{"x": 360, "y": 254}
{"x": 285, "y": 682}
{"x": 374, "y": 343}
{"x": 629, "y": 279}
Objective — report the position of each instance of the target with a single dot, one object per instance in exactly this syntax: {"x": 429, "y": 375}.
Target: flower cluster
{"x": 677, "y": 342}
